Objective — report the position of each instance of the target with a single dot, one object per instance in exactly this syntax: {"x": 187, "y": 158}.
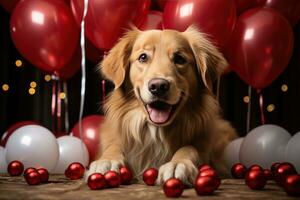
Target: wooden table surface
{"x": 60, "y": 187}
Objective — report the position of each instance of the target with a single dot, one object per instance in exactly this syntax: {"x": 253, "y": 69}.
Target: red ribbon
{"x": 261, "y": 105}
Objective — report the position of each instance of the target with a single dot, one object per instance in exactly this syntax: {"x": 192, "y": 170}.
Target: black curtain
{"x": 18, "y": 105}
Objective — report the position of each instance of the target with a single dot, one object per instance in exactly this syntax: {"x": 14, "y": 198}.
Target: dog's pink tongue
{"x": 158, "y": 116}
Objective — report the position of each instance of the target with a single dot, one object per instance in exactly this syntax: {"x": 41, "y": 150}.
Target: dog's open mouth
{"x": 160, "y": 112}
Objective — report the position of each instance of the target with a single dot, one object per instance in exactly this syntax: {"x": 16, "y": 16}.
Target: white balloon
{"x": 71, "y": 149}
{"x": 34, "y": 146}
{"x": 264, "y": 145}
{"x": 3, "y": 164}
{"x": 232, "y": 152}
{"x": 292, "y": 151}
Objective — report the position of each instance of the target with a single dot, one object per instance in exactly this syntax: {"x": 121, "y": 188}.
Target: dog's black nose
{"x": 158, "y": 86}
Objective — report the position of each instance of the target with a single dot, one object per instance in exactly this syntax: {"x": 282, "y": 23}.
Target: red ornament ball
{"x": 282, "y": 171}
{"x": 292, "y": 185}
{"x": 15, "y": 168}
{"x": 209, "y": 172}
{"x": 204, "y": 167}
{"x": 150, "y": 176}
{"x": 274, "y": 166}
{"x": 255, "y": 167}
{"x": 268, "y": 174}
{"x": 112, "y": 178}
{"x": 173, "y": 187}
{"x": 126, "y": 175}
{"x": 44, "y": 174}
{"x": 205, "y": 185}
{"x": 28, "y": 170}
{"x": 33, "y": 178}
{"x": 238, "y": 170}
{"x": 96, "y": 181}
{"x": 75, "y": 171}
{"x": 255, "y": 179}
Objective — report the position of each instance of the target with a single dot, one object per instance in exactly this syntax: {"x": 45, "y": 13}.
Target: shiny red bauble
{"x": 150, "y": 176}
{"x": 268, "y": 174}
{"x": 282, "y": 171}
{"x": 33, "y": 178}
{"x": 96, "y": 181}
{"x": 75, "y": 171}
{"x": 15, "y": 168}
{"x": 274, "y": 166}
{"x": 205, "y": 185}
{"x": 208, "y": 172}
{"x": 44, "y": 174}
{"x": 255, "y": 167}
{"x": 204, "y": 167}
{"x": 28, "y": 170}
{"x": 173, "y": 187}
{"x": 255, "y": 179}
{"x": 126, "y": 175}
{"x": 238, "y": 170}
{"x": 112, "y": 178}
{"x": 292, "y": 185}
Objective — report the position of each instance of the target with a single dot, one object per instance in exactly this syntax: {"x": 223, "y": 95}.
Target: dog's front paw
{"x": 102, "y": 166}
{"x": 186, "y": 171}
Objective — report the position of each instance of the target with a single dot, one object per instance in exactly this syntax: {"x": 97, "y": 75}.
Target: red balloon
{"x": 112, "y": 178}
{"x": 33, "y": 178}
{"x": 15, "y": 168}
{"x": 214, "y": 17}
{"x": 72, "y": 67}
{"x": 205, "y": 185}
{"x": 255, "y": 179}
{"x": 107, "y": 20}
{"x": 75, "y": 171}
{"x": 12, "y": 128}
{"x": 243, "y": 5}
{"x": 9, "y": 5}
{"x": 238, "y": 170}
{"x": 260, "y": 46}
{"x": 173, "y": 187}
{"x": 44, "y": 174}
{"x": 292, "y": 185}
{"x": 96, "y": 181}
{"x": 90, "y": 135}
{"x": 126, "y": 175}
{"x": 92, "y": 53}
{"x": 290, "y": 9}
{"x": 150, "y": 176}
{"x": 45, "y": 33}
{"x": 152, "y": 21}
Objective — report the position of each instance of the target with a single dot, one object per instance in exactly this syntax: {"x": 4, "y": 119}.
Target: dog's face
{"x": 165, "y": 68}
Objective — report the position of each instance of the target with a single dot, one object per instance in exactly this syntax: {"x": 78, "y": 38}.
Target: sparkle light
{"x": 19, "y": 63}
{"x": 62, "y": 95}
{"x": 284, "y": 88}
{"x": 31, "y": 91}
{"x": 246, "y": 99}
{"x": 33, "y": 84}
{"x": 47, "y": 77}
{"x": 271, "y": 108}
{"x": 5, "y": 87}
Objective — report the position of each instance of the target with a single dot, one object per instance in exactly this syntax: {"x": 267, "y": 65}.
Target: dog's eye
{"x": 143, "y": 58}
{"x": 178, "y": 59}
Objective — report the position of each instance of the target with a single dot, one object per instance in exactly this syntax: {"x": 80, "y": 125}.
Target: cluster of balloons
{"x": 255, "y": 36}
{"x": 264, "y": 145}
{"x": 36, "y": 146}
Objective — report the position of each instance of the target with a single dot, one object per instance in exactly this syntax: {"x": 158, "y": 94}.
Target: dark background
{"x": 17, "y": 105}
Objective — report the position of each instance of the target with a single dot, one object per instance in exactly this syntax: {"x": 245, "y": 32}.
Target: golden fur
{"x": 195, "y": 134}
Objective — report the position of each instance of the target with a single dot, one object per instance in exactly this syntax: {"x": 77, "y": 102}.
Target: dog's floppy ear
{"x": 115, "y": 64}
{"x": 210, "y": 62}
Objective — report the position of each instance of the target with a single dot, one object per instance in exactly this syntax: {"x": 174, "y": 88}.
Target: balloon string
{"x": 261, "y": 105}
{"x": 53, "y": 103}
{"x": 58, "y": 112}
{"x": 83, "y": 77}
{"x": 249, "y": 109}
{"x": 65, "y": 90}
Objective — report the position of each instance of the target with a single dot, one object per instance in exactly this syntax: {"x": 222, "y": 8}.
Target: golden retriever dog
{"x": 162, "y": 112}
